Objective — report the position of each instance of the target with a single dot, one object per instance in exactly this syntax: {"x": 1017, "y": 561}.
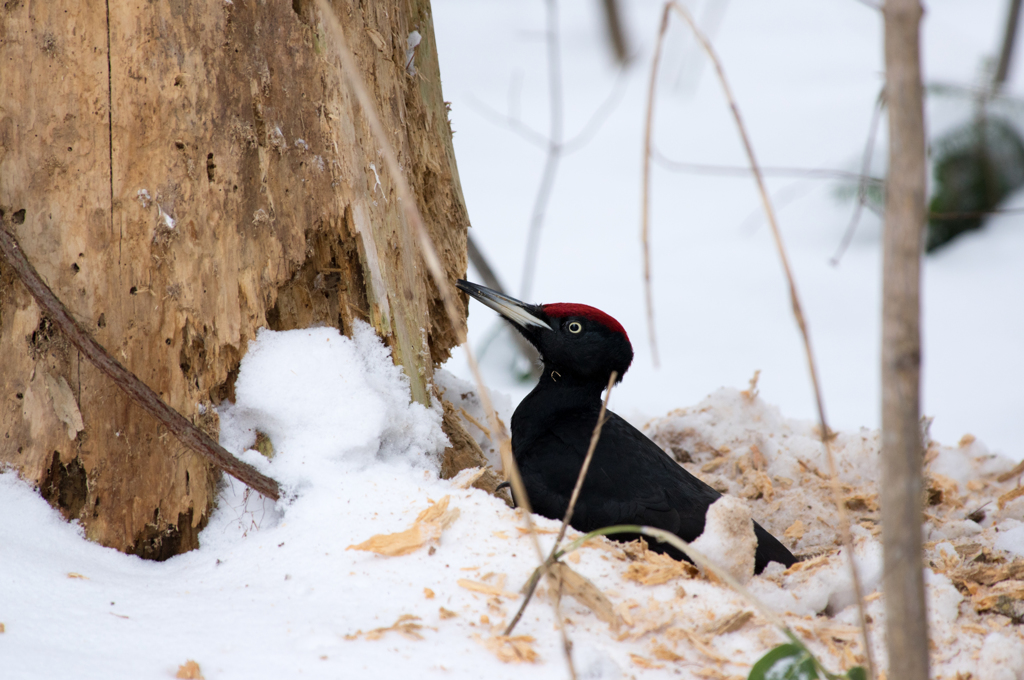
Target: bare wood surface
{"x": 187, "y": 433}
{"x": 902, "y": 452}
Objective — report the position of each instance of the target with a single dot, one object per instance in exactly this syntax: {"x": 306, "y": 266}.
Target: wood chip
{"x": 426, "y": 528}
{"x": 447, "y": 613}
{"x": 512, "y": 649}
{"x": 428, "y": 593}
{"x": 1010, "y": 496}
{"x": 813, "y": 563}
{"x": 795, "y": 531}
{"x": 75, "y": 574}
{"x": 466, "y": 478}
{"x": 485, "y": 588}
{"x": 189, "y": 671}
{"x": 524, "y": 530}
{"x": 697, "y": 643}
{"x": 653, "y": 569}
{"x": 568, "y": 582}
{"x": 729, "y": 624}
{"x": 714, "y": 464}
{"x": 663, "y": 653}
{"x": 1018, "y": 469}
{"x": 943, "y": 490}
{"x": 988, "y": 574}
{"x": 406, "y": 626}
{"x": 645, "y": 663}
{"x": 378, "y": 39}
{"x": 1006, "y": 598}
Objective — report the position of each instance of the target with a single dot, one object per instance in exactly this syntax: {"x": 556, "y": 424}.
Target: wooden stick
{"x": 187, "y": 433}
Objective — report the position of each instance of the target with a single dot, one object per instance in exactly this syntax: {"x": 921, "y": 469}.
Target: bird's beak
{"x": 519, "y": 313}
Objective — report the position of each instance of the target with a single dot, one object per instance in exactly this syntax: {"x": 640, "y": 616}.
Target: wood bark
{"x": 182, "y": 174}
{"x": 902, "y": 449}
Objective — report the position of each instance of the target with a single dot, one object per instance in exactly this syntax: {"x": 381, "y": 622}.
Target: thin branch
{"x": 616, "y": 31}
{"x": 1006, "y": 52}
{"x": 532, "y": 585}
{"x": 599, "y": 117}
{"x": 586, "y": 464}
{"x": 973, "y": 213}
{"x": 745, "y": 171}
{"x": 187, "y": 433}
{"x": 547, "y": 181}
{"x": 490, "y": 279}
{"x": 514, "y": 124}
{"x": 844, "y": 520}
{"x": 645, "y": 196}
{"x": 862, "y": 186}
{"x": 510, "y": 121}
{"x": 414, "y": 221}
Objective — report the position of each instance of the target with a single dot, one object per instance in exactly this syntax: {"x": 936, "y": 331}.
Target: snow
{"x": 728, "y": 539}
{"x": 275, "y": 589}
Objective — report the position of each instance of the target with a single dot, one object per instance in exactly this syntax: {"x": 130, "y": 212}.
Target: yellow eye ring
{"x": 575, "y": 327}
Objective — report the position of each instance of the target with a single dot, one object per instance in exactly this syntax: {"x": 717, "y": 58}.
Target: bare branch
{"x": 768, "y": 171}
{"x": 862, "y": 187}
{"x": 646, "y": 191}
{"x": 600, "y": 115}
{"x": 844, "y": 520}
{"x": 187, "y": 433}
{"x": 510, "y": 121}
{"x": 547, "y": 181}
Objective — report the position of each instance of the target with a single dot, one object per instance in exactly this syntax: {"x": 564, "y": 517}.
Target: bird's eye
{"x": 575, "y": 327}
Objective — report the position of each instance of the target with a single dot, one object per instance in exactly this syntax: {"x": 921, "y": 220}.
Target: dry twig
{"x": 645, "y": 200}
{"x": 844, "y": 520}
{"x": 415, "y": 222}
{"x": 187, "y": 433}
{"x": 547, "y": 180}
{"x": 862, "y": 184}
{"x": 543, "y": 569}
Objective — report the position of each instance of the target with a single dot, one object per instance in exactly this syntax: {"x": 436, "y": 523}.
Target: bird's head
{"x": 578, "y": 341}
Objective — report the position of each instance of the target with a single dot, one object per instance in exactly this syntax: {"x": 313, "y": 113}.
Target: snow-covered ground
{"x": 275, "y": 590}
{"x": 292, "y": 590}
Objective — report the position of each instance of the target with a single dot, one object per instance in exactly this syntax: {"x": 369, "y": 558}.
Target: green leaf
{"x": 857, "y": 673}
{"x": 785, "y": 662}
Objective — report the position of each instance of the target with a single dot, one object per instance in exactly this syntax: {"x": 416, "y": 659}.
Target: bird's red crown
{"x": 560, "y": 310}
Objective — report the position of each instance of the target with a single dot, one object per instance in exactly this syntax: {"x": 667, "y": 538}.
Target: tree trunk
{"x": 902, "y": 450}
{"x": 182, "y": 174}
